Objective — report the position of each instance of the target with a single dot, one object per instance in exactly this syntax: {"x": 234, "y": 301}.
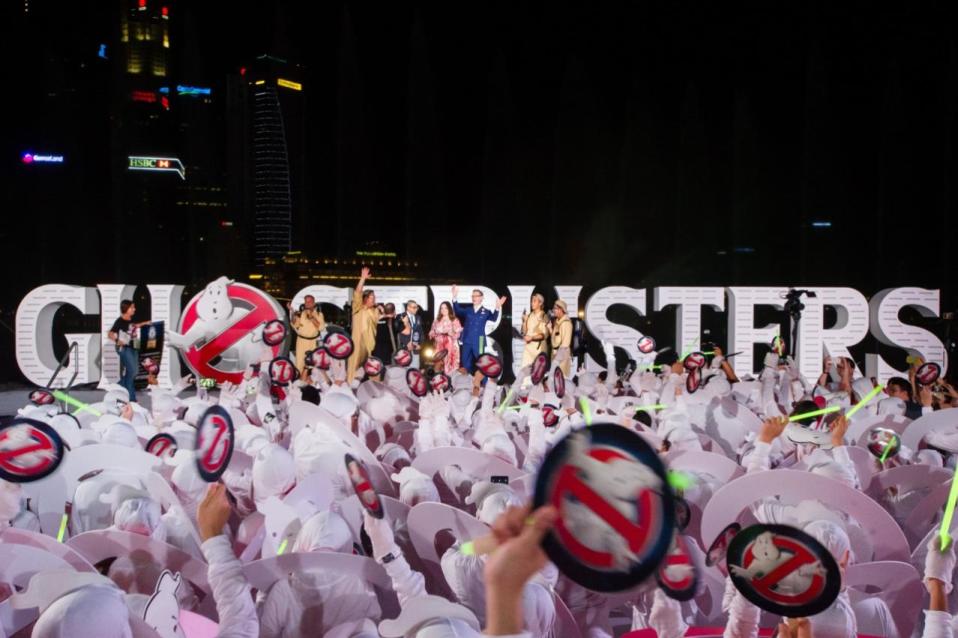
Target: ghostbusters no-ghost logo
{"x": 274, "y": 332}
{"x": 928, "y": 373}
{"x": 42, "y": 397}
{"x": 550, "y": 415}
{"x": 402, "y": 358}
{"x": 694, "y": 361}
{"x": 440, "y": 382}
{"x": 558, "y": 382}
{"x": 783, "y": 570}
{"x": 615, "y": 509}
{"x": 359, "y": 478}
{"x": 489, "y": 365}
{"x": 29, "y": 450}
{"x": 221, "y": 330}
{"x": 417, "y": 382}
{"x": 281, "y": 371}
{"x": 540, "y": 368}
{"x": 161, "y": 445}
{"x": 339, "y": 345}
{"x": 373, "y": 367}
{"x": 319, "y": 358}
{"x": 646, "y": 345}
{"x": 214, "y": 443}
{"x": 678, "y": 575}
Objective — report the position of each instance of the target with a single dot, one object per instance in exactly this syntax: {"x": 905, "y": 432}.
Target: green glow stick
{"x": 63, "y": 528}
{"x": 282, "y": 547}
{"x": 884, "y": 455}
{"x": 657, "y": 406}
{"x": 468, "y": 548}
{"x": 828, "y": 410}
{"x": 680, "y": 480}
{"x": 944, "y": 531}
{"x": 505, "y": 402}
{"x": 586, "y": 410}
{"x": 80, "y": 405}
{"x": 868, "y": 397}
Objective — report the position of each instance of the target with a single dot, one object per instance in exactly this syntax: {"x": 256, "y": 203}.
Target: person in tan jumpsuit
{"x": 365, "y": 317}
{"x": 535, "y": 331}
{"x": 307, "y": 323}
{"x": 562, "y": 339}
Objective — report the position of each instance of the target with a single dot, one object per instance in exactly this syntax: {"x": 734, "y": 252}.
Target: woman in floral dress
{"x": 445, "y": 333}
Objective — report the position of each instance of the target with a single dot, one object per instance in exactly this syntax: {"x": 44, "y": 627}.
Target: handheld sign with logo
{"x": 150, "y": 365}
{"x": 928, "y": 373}
{"x": 359, "y": 477}
{"x": 416, "y": 381}
{"x": 646, "y": 345}
{"x": 281, "y": 371}
{"x": 678, "y": 575}
{"x": 373, "y": 367}
{"x": 440, "y": 382}
{"x": 550, "y": 415}
{"x": 719, "y": 547}
{"x": 29, "y": 451}
{"x": 693, "y": 381}
{"x": 616, "y": 512}
{"x": 42, "y": 397}
{"x": 402, "y": 358}
{"x": 883, "y": 443}
{"x": 694, "y": 361}
{"x": 489, "y": 365}
{"x": 214, "y": 443}
{"x": 161, "y": 445}
{"x": 219, "y": 327}
{"x": 274, "y": 332}
{"x": 540, "y": 368}
{"x": 339, "y": 345}
{"x": 558, "y": 382}
{"x": 783, "y": 570}
{"x": 319, "y": 358}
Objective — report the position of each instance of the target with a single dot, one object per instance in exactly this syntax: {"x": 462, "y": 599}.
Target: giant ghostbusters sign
{"x": 219, "y": 331}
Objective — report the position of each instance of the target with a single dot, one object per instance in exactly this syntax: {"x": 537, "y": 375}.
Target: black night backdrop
{"x": 634, "y": 143}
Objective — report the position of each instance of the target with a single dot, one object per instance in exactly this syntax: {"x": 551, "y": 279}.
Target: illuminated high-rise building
{"x": 267, "y": 103}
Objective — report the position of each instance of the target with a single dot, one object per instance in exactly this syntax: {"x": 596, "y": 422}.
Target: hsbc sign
{"x": 219, "y": 331}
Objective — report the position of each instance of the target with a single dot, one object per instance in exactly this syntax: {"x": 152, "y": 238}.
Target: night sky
{"x": 634, "y": 143}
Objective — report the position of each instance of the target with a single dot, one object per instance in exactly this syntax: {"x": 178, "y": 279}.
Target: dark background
{"x": 639, "y": 143}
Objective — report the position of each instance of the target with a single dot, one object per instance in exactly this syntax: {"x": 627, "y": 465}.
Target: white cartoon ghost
{"x": 678, "y": 572}
{"x": 767, "y": 557}
{"x": 619, "y": 483}
{"x": 162, "y": 612}
{"x": 215, "y": 313}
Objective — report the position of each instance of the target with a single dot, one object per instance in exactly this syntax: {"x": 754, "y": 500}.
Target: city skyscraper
{"x": 267, "y": 106}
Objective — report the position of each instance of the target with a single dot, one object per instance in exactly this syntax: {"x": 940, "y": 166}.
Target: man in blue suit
{"x": 474, "y": 320}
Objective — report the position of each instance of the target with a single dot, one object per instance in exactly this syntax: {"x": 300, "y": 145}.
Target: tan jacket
{"x": 562, "y": 334}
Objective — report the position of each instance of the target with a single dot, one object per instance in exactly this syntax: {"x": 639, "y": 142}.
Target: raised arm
{"x": 499, "y": 303}
{"x": 358, "y": 292}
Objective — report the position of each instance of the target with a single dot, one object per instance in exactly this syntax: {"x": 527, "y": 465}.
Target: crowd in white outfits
{"x": 120, "y": 542}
